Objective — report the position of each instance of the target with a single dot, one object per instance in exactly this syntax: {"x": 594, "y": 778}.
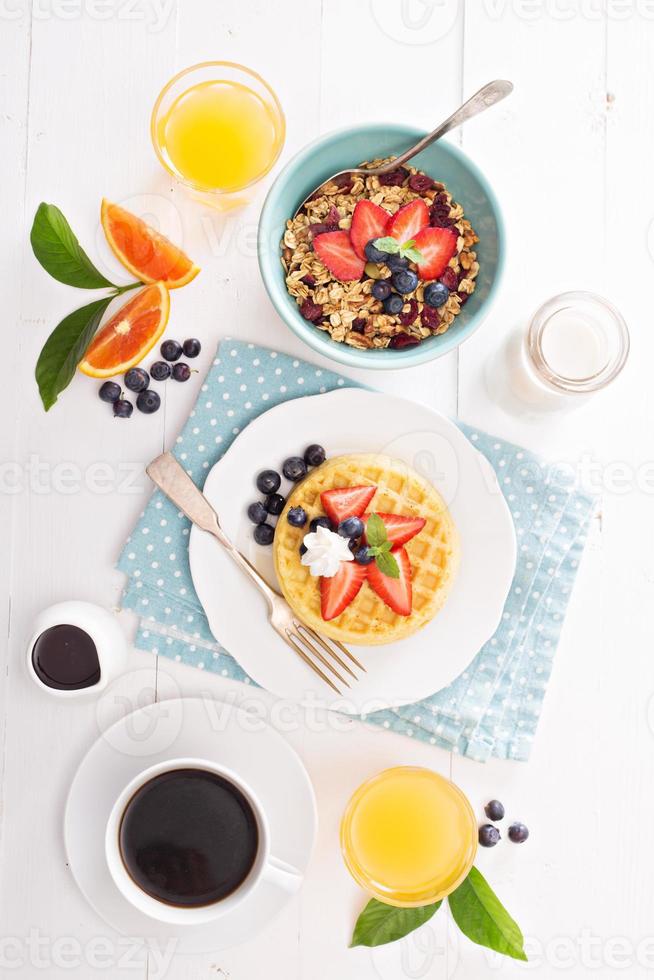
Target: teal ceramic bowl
{"x": 346, "y": 148}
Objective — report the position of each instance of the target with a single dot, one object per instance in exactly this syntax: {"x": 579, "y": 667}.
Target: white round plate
{"x": 206, "y": 729}
{"x": 348, "y": 421}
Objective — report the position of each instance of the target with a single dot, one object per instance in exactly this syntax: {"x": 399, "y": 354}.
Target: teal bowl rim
{"x": 386, "y": 359}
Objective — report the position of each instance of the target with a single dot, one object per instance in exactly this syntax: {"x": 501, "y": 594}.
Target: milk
{"x": 574, "y": 345}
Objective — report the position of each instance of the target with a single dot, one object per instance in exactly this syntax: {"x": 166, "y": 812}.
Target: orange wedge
{"x": 147, "y": 254}
{"x": 127, "y": 337}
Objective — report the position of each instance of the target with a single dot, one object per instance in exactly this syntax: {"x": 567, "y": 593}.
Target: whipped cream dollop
{"x": 325, "y": 552}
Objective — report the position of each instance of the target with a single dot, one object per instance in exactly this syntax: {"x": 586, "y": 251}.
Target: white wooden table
{"x": 570, "y": 157}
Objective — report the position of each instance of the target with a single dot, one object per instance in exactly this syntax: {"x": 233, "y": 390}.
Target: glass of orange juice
{"x": 218, "y": 127}
{"x": 409, "y": 836}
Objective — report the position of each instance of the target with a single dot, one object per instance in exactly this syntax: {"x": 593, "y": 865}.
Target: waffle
{"x": 434, "y": 552}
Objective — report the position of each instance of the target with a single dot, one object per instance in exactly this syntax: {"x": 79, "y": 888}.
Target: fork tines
{"x": 307, "y": 644}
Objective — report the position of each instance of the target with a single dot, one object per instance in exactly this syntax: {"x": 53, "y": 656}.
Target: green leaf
{"x": 64, "y": 349}
{"x": 409, "y": 251}
{"x": 387, "y": 564}
{"x": 379, "y": 924}
{"x": 480, "y": 916}
{"x": 375, "y": 531}
{"x": 57, "y": 249}
{"x": 390, "y": 245}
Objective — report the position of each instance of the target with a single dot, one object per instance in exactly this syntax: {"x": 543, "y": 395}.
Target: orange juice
{"x": 218, "y": 127}
{"x": 409, "y": 836}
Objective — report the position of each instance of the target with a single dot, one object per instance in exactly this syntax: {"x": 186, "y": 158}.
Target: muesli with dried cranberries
{"x": 380, "y": 261}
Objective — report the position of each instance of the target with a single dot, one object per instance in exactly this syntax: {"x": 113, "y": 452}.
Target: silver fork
{"x": 175, "y": 482}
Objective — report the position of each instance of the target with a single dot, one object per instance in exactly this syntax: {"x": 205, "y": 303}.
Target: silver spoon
{"x": 489, "y": 95}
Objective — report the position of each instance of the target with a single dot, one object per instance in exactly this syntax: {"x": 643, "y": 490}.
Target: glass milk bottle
{"x": 576, "y": 344}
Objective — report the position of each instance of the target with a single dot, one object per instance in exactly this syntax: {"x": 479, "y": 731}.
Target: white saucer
{"x": 346, "y": 421}
{"x": 206, "y": 729}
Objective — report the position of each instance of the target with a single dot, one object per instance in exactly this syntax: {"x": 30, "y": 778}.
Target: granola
{"x": 347, "y": 308}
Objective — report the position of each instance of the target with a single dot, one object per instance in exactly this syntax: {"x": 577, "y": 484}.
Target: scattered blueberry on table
{"x": 518, "y": 833}
{"x": 109, "y": 392}
{"x": 191, "y": 347}
{"x": 171, "y": 350}
{"x": 264, "y": 534}
{"x": 488, "y": 835}
{"x": 122, "y": 408}
{"x": 160, "y": 370}
{"x": 181, "y": 371}
{"x": 148, "y": 401}
{"x": 494, "y": 810}
{"x": 136, "y": 379}
{"x": 314, "y": 455}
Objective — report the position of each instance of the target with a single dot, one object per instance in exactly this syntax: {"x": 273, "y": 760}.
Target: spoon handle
{"x": 488, "y": 96}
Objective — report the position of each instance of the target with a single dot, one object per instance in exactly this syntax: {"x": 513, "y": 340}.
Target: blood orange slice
{"x": 142, "y": 250}
{"x": 130, "y": 333}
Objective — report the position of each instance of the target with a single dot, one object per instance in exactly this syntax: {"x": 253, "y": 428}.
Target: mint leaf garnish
{"x": 389, "y": 245}
{"x": 375, "y": 531}
{"x": 387, "y": 564}
{"x": 379, "y": 924}
{"x": 57, "y": 249}
{"x": 481, "y": 917}
{"x": 409, "y": 251}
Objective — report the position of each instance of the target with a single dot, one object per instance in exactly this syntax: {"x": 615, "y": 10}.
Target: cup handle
{"x": 282, "y": 874}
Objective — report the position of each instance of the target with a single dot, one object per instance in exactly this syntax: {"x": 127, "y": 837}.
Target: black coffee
{"x": 65, "y": 657}
{"x": 188, "y": 837}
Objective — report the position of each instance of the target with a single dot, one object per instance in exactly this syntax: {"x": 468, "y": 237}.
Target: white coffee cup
{"x": 265, "y": 866}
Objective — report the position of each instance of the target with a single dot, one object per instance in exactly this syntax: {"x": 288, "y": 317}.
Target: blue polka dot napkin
{"x": 492, "y": 709}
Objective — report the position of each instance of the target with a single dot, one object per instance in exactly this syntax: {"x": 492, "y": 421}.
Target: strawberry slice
{"x": 337, "y": 593}
{"x": 368, "y": 221}
{"x": 400, "y": 529}
{"x": 395, "y": 592}
{"x": 334, "y": 250}
{"x": 408, "y": 221}
{"x": 437, "y": 246}
{"x": 342, "y": 502}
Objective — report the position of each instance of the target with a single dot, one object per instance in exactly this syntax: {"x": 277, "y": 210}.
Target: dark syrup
{"x": 66, "y": 658}
{"x": 188, "y": 837}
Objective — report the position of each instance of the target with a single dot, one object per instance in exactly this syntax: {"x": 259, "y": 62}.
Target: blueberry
{"x": 494, "y": 810}
{"x": 303, "y": 550}
{"x": 395, "y": 262}
{"x": 264, "y": 534}
{"x": 257, "y": 512}
{"x": 137, "y": 379}
{"x": 123, "y": 409}
{"x": 148, "y": 401}
{"x": 294, "y": 468}
{"x": 171, "y": 350}
{"x": 518, "y": 833}
{"x": 374, "y": 254}
{"x": 381, "y": 289}
{"x": 268, "y": 481}
{"x": 488, "y": 835}
{"x": 109, "y": 391}
{"x": 160, "y": 370}
{"x": 320, "y": 522}
{"x": 191, "y": 347}
{"x": 362, "y": 556}
{"x": 436, "y": 293}
{"x": 297, "y": 517}
{"x": 314, "y": 455}
{"x": 404, "y": 280}
{"x": 275, "y": 503}
{"x": 181, "y": 371}
{"x": 393, "y": 304}
{"x": 351, "y": 527}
